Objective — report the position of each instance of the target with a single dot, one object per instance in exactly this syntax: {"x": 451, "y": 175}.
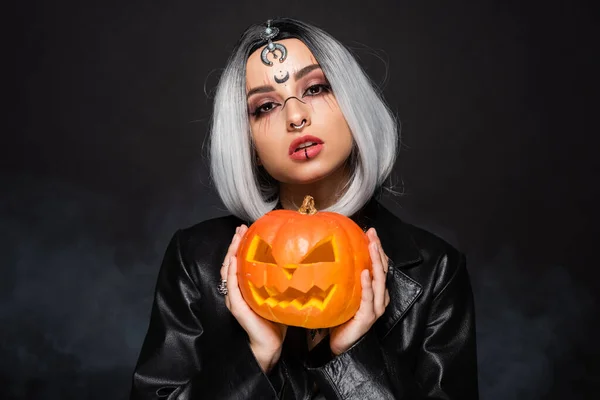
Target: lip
{"x": 307, "y": 138}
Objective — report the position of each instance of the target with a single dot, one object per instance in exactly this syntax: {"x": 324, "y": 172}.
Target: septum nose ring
{"x": 299, "y": 126}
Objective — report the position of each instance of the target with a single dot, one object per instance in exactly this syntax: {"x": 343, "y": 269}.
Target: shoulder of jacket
{"x": 433, "y": 244}
{"x": 444, "y": 260}
{"x": 427, "y": 244}
{"x": 209, "y": 230}
{"x": 196, "y": 242}
{"x": 200, "y": 247}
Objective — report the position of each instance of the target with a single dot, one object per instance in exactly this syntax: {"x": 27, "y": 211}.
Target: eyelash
{"x": 259, "y": 111}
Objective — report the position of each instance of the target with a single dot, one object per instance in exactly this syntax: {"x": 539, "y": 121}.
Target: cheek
{"x": 259, "y": 128}
{"x": 272, "y": 154}
{"x": 329, "y": 113}
{"x": 266, "y": 148}
{"x": 342, "y": 136}
{"x": 262, "y": 135}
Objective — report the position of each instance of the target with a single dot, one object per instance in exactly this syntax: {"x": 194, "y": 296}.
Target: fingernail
{"x": 237, "y": 230}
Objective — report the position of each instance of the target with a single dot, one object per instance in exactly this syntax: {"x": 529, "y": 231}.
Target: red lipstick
{"x": 305, "y": 147}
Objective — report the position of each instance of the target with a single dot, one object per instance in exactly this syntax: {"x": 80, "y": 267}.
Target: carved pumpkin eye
{"x": 323, "y": 252}
{"x": 260, "y": 251}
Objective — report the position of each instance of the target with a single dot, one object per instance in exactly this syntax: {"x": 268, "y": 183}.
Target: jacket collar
{"x": 403, "y": 253}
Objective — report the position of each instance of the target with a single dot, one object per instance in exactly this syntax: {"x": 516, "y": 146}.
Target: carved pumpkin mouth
{"x": 314, "y": 297}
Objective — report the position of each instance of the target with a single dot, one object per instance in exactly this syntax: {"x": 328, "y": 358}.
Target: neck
{"x": 325, "y": 191}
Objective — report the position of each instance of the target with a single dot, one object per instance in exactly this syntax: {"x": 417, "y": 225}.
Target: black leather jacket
{"x": 422, "y": 347}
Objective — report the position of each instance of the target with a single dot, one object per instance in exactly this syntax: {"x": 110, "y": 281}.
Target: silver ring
{"x": 299, "y": 126}
{"x": 222, "y": 287}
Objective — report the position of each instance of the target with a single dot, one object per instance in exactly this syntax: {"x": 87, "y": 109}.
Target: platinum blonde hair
{"x": 244, "y": 187}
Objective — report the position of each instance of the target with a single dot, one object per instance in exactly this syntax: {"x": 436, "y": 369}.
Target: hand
{"x": 374, "y": 300}
{"x": 266, "y": 337}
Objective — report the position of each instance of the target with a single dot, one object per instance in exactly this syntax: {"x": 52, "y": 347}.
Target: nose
{"x": 297, "y": 114}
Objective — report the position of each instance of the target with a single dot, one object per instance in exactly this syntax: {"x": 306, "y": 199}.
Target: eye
{"x": 264, "y": 108}
{"x": 260, "y": 251}
{"x": 324, "y": 252}
{"x": 318, "y": 89}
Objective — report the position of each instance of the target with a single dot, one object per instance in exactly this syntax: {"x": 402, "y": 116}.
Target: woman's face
{"x": 299, "y": 131}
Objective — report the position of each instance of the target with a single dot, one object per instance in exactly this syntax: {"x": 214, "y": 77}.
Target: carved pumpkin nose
{"x": 303, "y": 268}
{"x": 289, "y": 269}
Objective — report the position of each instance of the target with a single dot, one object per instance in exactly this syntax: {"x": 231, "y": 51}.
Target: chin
{"x": 306, "y": 176}
{"x": 303, "y": 179}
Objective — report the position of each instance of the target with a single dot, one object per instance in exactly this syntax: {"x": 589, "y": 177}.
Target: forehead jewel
{"x": 268, "y": 35}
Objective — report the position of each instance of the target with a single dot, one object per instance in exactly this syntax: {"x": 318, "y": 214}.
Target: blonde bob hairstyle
{"x": 244, "y": 187}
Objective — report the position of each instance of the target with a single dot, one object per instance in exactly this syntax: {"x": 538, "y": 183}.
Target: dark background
{"x": 102, "y": 160}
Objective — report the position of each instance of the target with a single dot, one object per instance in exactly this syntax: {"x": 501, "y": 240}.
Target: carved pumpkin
{"x": 302, "y": 268}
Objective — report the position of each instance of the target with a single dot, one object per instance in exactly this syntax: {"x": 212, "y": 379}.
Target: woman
{"x": 294, "y": 114}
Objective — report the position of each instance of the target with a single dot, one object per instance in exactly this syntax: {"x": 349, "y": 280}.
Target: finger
{"x": 384, "y": 260}
{"x": 384, "y": 257}
{"x": 374, "y": 238}
{"x": 371, "y": 235}
{"x": 233, "y": 290}
{"x": 378, "y": 280}
{"x": 366, "y": 301}
{"x": 225, "y": 265}
{"x": 237, "y": 229}
{"x": 373, "y": 241}
{"x": 232, "y": 249}
{"x": 224, "y": 270}
{"x": 237, "y": 240}
{"x": 387, "y": 297}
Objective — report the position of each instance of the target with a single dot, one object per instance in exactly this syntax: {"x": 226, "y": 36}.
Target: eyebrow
{"x": 305, "y": 71}
{"x": 260, "y": 89}
{"x": 301, "y": 73}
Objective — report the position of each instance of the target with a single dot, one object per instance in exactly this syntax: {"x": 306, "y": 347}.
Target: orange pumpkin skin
{"x": 303, "y": 270}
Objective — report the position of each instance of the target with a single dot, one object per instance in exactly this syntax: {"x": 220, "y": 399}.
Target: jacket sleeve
{"x": 358, "y": 373}
{"x": 446, "y": 366}
{"x": 171, "y": 365}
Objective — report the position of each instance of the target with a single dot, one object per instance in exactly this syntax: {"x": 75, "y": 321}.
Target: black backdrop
{"x": 102, "y": 160}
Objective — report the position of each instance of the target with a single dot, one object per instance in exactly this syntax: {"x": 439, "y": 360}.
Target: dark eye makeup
{"x": 313, "y": 90}
{"x": 264, "y": 108}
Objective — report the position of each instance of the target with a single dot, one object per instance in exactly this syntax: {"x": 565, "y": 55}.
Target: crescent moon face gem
{"x": 281, "y": 80}
{"x": 273, "y": 48}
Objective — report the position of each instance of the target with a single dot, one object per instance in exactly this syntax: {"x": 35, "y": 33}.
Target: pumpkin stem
{"x": 308, "y": 206}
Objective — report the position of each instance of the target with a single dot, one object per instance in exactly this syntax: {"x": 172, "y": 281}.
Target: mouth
{"x": 303, "y": 143}
{"x": 314, "y": 297}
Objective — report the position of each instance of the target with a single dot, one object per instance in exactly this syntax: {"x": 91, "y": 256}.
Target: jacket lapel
{"x": 404, "y": 291}
{"x": 403, "y": 253}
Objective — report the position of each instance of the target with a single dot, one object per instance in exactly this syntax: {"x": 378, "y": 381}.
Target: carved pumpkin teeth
{"x": 315, "y": 297}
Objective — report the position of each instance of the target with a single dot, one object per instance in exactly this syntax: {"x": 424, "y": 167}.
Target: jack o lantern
{"x": 302, "y": 268}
